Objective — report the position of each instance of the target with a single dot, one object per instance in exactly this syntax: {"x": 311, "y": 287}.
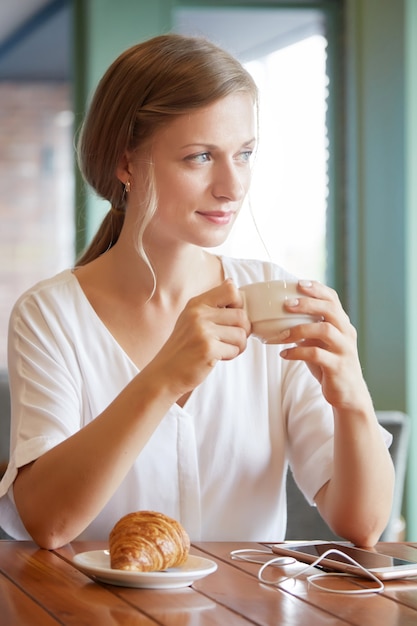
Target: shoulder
{"x": 244, "y": 271}
{"x": 54, "y": 292}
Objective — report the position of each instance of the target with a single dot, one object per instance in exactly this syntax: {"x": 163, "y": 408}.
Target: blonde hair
{"x": 140, "y": 92}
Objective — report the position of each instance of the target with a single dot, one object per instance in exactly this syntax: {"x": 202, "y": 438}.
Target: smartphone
{"x": 383, "y": 566}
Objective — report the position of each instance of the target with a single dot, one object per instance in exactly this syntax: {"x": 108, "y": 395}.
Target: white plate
{"x": 97, "y": 563}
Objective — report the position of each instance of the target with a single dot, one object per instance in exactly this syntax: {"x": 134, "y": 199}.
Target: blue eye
{"x": 245, "y": 156}
{"x": 203, "y": 157}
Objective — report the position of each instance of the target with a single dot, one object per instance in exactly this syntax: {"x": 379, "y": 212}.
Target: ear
{"x": 123, "y": 170}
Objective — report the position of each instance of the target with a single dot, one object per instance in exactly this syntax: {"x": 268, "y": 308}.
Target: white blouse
{"x": 218, "y": 464}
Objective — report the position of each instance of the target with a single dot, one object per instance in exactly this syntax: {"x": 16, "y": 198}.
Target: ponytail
{"x": 106, "y": 236}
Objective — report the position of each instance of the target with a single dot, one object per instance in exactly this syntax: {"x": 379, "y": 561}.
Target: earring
{"x": 127, "y": 186}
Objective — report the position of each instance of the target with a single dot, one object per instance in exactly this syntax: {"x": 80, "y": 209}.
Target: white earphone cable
{"x": 244, "y": 555}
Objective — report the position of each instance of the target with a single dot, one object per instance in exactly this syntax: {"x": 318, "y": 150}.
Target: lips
{"x": 217, "y": 217}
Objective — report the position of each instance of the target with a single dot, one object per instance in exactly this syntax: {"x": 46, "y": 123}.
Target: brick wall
{"x": 36, "y": 189}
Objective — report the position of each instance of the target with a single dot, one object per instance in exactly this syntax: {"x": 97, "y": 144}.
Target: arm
{"x": 61, "y": 492}
{"x": 356, "y": 502}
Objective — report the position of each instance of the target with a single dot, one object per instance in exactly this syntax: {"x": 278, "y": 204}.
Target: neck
{"x": 179, "y": 274}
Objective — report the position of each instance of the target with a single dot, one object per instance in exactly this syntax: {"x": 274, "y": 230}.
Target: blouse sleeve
{"x": 45, "y": 394}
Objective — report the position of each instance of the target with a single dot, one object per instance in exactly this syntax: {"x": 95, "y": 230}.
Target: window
{"x": 285, "y": 50}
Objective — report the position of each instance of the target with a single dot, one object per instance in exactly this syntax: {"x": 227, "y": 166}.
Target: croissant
{"x": 146, "y": 541}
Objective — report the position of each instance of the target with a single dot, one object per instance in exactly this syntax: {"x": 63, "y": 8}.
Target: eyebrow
{"x": 210, "y": 146}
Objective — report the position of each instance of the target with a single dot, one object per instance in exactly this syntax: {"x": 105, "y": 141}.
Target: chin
{"x": 214, "y": 242}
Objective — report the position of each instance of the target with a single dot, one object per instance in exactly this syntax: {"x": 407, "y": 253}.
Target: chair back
{"x": 4, "y": 420}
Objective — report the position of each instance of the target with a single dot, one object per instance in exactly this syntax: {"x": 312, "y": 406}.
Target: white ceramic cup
{"x": 264, "y": 304}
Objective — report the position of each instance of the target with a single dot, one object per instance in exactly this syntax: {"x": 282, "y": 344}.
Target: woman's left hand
{"x": 329, "y": 347}
{"x": 356, "y": 501}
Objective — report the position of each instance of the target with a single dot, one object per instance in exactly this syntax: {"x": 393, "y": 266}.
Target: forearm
{"x": 60, "y": 493}
{"x": 357, "y": 500}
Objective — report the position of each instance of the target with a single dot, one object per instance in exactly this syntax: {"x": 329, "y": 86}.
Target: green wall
{"x": 382, "y": 204}
{"x": 102, "y": 30}
{"x": 411, "y": 254}
{"x": 375, "y": 188}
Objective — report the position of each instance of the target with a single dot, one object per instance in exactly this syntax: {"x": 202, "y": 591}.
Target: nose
{"x": 230, "y": 182}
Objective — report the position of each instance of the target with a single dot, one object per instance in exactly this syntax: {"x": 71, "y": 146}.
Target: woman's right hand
{"x": 54, "y": 499}
{"x": 212, "y": 327}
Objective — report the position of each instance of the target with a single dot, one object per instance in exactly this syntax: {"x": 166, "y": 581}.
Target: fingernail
{"x": 284, "y": 334}
{"x": 293, "y": 302}
{"x": 305, "y": 283}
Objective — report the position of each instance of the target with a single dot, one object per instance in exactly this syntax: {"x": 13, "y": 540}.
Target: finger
{"x": 325, "y": 311}
{"x": 222, "y": 305}
{"x": 222, "y": 296}
{"x": 232, "y": 342}
{"x": 222, "y": 343}
{"x": 323, "y": 334}
{"x": 315, "y": 289}
{"x": 231, "y": 317}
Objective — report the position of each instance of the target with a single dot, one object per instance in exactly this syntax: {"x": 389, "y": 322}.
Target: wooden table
{"x": 40, "y": 587}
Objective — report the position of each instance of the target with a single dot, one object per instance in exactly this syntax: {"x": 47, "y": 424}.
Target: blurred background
{"x": 334, "y": 194}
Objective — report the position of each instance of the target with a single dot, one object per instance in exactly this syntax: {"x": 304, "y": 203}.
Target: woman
{"x": 135, "y": 381}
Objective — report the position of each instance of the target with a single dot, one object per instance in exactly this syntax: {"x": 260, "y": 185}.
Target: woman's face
{"x": 201, "y": 166}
